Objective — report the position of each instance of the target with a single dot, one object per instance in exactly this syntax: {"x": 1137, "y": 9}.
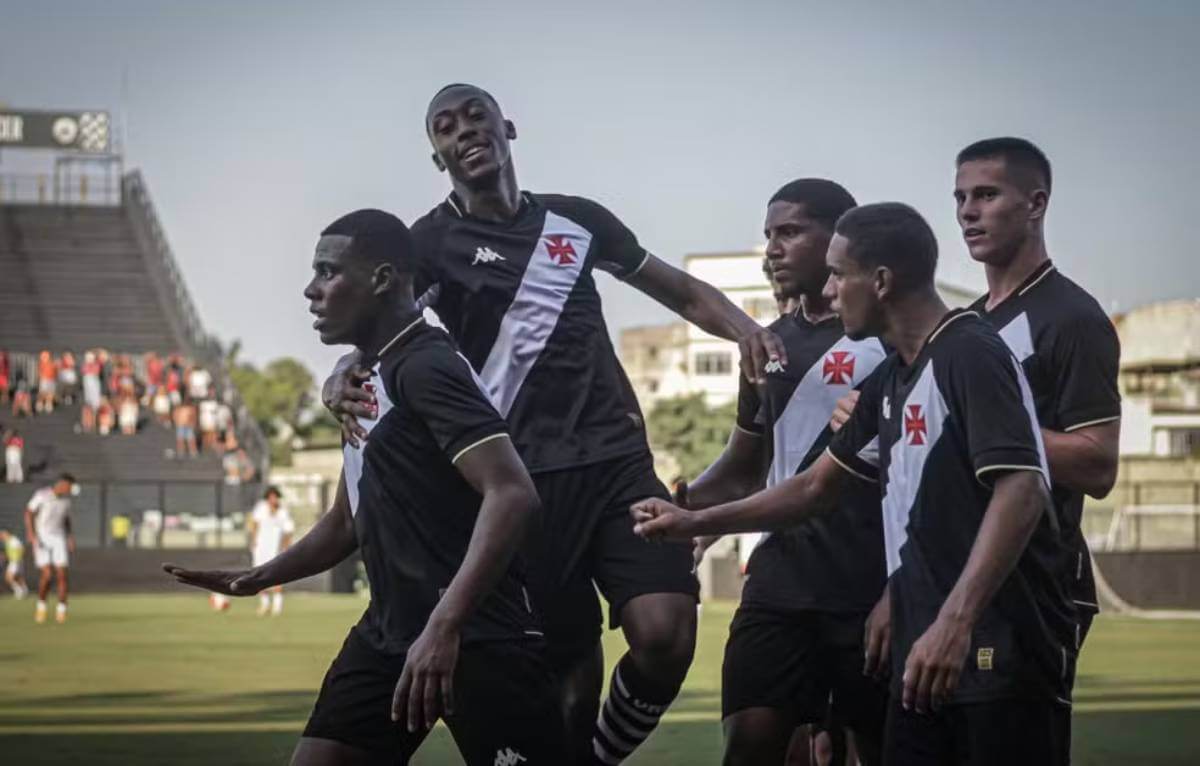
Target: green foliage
{"x": 277, "y": 396}
{"x": 690, "y": 431}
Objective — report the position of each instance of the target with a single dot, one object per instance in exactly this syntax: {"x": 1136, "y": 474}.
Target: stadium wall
{"x": 1153, "y": 579}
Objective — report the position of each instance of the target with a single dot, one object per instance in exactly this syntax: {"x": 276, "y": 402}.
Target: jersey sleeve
{"x": 855, "y": 447}
{"x": 619, "y": 252}
{"x": 1087, "y": 355}
{"x": 447, "y": 395}
{"x": 989, "y": 396}
{"x": 749, "y": 408}
{"x": 36, "y": 502}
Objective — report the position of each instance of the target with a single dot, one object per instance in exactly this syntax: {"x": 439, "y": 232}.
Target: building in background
{"x": 669, "y": 360}
{"x": 1160, "y": 379}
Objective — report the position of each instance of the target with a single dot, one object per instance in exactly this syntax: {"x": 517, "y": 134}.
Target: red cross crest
{"x": 838, "y": 369}
{"x": 560, "y": 250}
{"x": 914, "y": 424}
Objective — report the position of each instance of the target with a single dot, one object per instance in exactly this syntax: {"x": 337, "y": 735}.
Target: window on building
{"x": 714, "y": 363}
{"x": 760, "y": 308}
{"x": 1184, "y": 441}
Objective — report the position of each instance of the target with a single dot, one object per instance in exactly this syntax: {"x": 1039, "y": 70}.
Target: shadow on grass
{"x": 1147, "y": 738}
{"x": 171, "y": 708}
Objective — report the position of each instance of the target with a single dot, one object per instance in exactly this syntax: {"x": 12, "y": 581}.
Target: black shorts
{"x": 586, "y": 536}
{"x": 998, "y": 733}
{"x": 504, "y": 697}
{"x": 799, "y": 661}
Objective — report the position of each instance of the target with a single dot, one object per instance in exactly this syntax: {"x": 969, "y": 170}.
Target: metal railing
{"x": 1146, "y": 516}
{"x": 204, "y": 348}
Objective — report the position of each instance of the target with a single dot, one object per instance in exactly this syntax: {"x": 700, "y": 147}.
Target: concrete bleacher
{"x": 77, "y": 277}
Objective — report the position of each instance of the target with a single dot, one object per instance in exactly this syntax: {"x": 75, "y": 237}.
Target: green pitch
{"x": 139, "y": 680}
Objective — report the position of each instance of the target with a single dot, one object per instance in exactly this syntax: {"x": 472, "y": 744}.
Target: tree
{"x": 690, "y": 431}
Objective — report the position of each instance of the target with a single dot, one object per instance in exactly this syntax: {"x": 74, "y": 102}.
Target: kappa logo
{"x": 914, "y": 425}
{"x": 838, "y": 369}
{"x": 560, "y": 250}
{"x": 773, "y": 366}
{"x": 486, "y": 255}
{"x": 508, "y": 757}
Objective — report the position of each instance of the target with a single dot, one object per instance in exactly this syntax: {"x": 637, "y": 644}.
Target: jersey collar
{"x": 400, "y": 340}
{"x": 459, "y": 210}
{"x": 1033, "y": 280}
{"x": 951, "y": 316}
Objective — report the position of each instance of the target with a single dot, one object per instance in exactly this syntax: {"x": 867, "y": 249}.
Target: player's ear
{"x": 510, "y": 130}
{"x": 383, "y": 279}
{"x": 1038, "y": 202}
{"x": 437, "y": 162}
{"x": 883, "y": 282}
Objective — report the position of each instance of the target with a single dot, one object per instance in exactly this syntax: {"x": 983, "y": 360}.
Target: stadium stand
{"x": 82, "y": 276}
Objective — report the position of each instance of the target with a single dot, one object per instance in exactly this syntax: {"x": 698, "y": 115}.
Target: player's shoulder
{"x": 431, "y": 353}
{"x": 963, "y": 333}
{"x": 41, "y": 495}
{"x": 587, "y": 212}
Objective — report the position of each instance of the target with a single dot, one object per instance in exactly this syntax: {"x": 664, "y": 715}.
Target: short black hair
{"x": 272, "y": 490}
{"x": 453, "y": 85}
{"x": 66, "y": 477}
{"x": 1018, "y": 153}
{"x": 893, "y": 235}
{"x": 377, "y": 236}
{"x": 824, "y": 201}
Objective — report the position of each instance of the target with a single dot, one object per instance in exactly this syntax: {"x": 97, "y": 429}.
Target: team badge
{"x": 914, "y": 425}
{"x": 838, "y": 369}
{"x": 560, "y": 250}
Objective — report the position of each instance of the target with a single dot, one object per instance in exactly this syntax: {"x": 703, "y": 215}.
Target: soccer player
{"x": 1066, "y": 344}
{"x": 511, "y": 274}
{"x": 271, "y": 529}
{"x": 14, "y": 554}
{"x": 437, "y": 502}
{"x": 798, "y": 634}
{"x": 980, "y": 630}
{"x": 48, "y": 528}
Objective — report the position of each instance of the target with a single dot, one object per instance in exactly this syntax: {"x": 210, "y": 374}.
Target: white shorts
{"x": 50, "y": 551}
{"x": 13, "y": 569}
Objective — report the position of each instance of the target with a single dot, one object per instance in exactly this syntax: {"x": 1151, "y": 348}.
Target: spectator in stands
{"x": 208, "y": 423}
{"x": 68, "y": 379}
{"x": 154, "y": 375}
{"x": 22, "y": 400}
{"x": 14, "y": 457}
{"x": 127, "y": 414}
{"x": 47, "y": 382}
{"x": 199, "y": 383}
{"x": 123, "y": 381}
{"x": 4, "y": 379}
{"x": 106, "y": 371}
{"x": 175, "y": 382}
{"x": 92, "y": 391}
{"x": 105, "y": 416}
{"x": 184, "y": 417}
{"x": 224, "y": 425}
{"x": 161, "y": 403}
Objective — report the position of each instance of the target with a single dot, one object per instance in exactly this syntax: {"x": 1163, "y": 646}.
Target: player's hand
{"x": 700, "y": 546}
{"x": 230, "y": 582}
{"x": 758, "y": 348}
{"x": 934, "y": 664}
{"x": 656, "y": 519}
{"x": 349, "y": 396}
{"x": 33, "y": 541}
{"x": 843, "y": 410}
{"x": 425, "y": 691}
{"x": 877, "y": 637}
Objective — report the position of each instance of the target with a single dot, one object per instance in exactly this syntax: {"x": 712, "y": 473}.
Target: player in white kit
{"x": 271, "y": 529}
{"x": 48, "y": 526}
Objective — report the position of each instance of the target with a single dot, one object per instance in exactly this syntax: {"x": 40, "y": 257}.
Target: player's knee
{"x": 663, "y": 648}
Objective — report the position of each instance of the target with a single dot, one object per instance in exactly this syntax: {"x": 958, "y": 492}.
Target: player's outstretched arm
{"x": 426, "y": 687}
{"x": 707, "y": 307}
{"x": 935, "y": 662}
{"x": 1085, "y": 459}
{"x": 736, "y": 473}
{"x": 327, "y": 544}
{"x": 786, "y": 504}
{"x": 346, "y": 396}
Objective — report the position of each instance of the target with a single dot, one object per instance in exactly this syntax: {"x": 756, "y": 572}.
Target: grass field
{"x": 139, "y": 680}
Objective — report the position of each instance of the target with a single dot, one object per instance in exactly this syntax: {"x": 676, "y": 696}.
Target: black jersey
{"x": 947, "y": 425}
{"x": 413, "y": 511}
{"x": 833, "y": 562}
{"x": 1070, "y": 353}
{"x": 520, "y": 300}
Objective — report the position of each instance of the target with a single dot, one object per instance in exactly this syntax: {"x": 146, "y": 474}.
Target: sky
{"x": 258, "y": 123}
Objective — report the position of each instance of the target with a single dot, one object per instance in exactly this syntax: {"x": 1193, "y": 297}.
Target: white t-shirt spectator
{"x": 208, "y": 415}
{"x": 270, "y": 529}
{"x": 49, "y": 514}
{"x": 224, "y": 417}
{"x": 198, "y": 383}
